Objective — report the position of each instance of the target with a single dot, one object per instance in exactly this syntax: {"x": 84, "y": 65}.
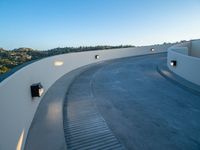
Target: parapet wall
{"x": 17, "y": 107}
{"x": 188, "y": 62}
{"x": 195, "y": 48}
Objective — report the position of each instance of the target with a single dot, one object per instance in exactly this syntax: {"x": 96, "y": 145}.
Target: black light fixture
{"x": 37, "y": 90}
{"x": 97, "y": 56}
{"x": 152, "y": 49}
{"x": 173, "y": 63}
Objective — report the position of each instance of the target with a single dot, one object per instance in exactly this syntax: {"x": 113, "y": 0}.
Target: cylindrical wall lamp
{"x": 97, "y": 56}
{"x": 152, "y": 49}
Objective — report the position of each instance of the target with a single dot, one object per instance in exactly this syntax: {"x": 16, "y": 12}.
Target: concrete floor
{"x": 142, "y": 108}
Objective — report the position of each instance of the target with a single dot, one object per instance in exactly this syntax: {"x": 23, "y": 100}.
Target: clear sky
{"x": 45, "y": 24}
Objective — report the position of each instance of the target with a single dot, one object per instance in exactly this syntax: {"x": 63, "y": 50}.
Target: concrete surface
{"x": 179, "y": 81}
{"x": 17, "y": 110}
{"x": 84, "y": 126}
{"x": 143, "y": 109}
{"x": 17, "y": 107}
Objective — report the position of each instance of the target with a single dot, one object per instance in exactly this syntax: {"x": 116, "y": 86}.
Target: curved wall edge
{"x": 187, "y": 65}
{"x": 17, "y": 107}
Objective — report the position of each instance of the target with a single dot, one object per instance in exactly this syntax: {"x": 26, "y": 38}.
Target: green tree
{"x": 3, "y": 69}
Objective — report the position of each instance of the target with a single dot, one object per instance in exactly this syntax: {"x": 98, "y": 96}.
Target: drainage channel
{"x": 84, "y": 126}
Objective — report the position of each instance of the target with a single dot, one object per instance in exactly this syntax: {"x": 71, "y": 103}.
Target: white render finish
{"x": 195, "y": 49}
{"x": 17, "y": 107}
{"x": 187, "y": 56}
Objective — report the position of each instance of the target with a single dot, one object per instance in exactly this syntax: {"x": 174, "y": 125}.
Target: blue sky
{"x": 45, "y": 24}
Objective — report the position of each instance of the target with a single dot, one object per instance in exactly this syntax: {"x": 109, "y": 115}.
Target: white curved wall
{"x": 187, "y": 65}
{"x": 17, "y": 108}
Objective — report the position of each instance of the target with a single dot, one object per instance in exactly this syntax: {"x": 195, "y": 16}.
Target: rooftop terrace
{"x": 127, "y": 104}
{"x": 134, "y": 102}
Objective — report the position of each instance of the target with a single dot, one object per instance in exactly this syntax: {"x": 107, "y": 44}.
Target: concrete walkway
{"x": 84, "y": 126}
{"x": 143, "y": 109}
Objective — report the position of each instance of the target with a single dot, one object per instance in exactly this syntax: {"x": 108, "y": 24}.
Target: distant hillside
{"x": 23, "y": 49}
{"x": 15, "y": 57}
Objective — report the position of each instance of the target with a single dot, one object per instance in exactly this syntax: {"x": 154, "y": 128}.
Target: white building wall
{"x": 195, "y": 49}
{"x": 188, "y": 67}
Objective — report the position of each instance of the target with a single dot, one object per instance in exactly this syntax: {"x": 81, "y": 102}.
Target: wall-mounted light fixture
{"x": 58, "y": 63}
{"x": 37, "y": 90}
{"x": 173, "y": 63}
{"x": 97, "y": 56}
{"x": 152, "y": 49}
